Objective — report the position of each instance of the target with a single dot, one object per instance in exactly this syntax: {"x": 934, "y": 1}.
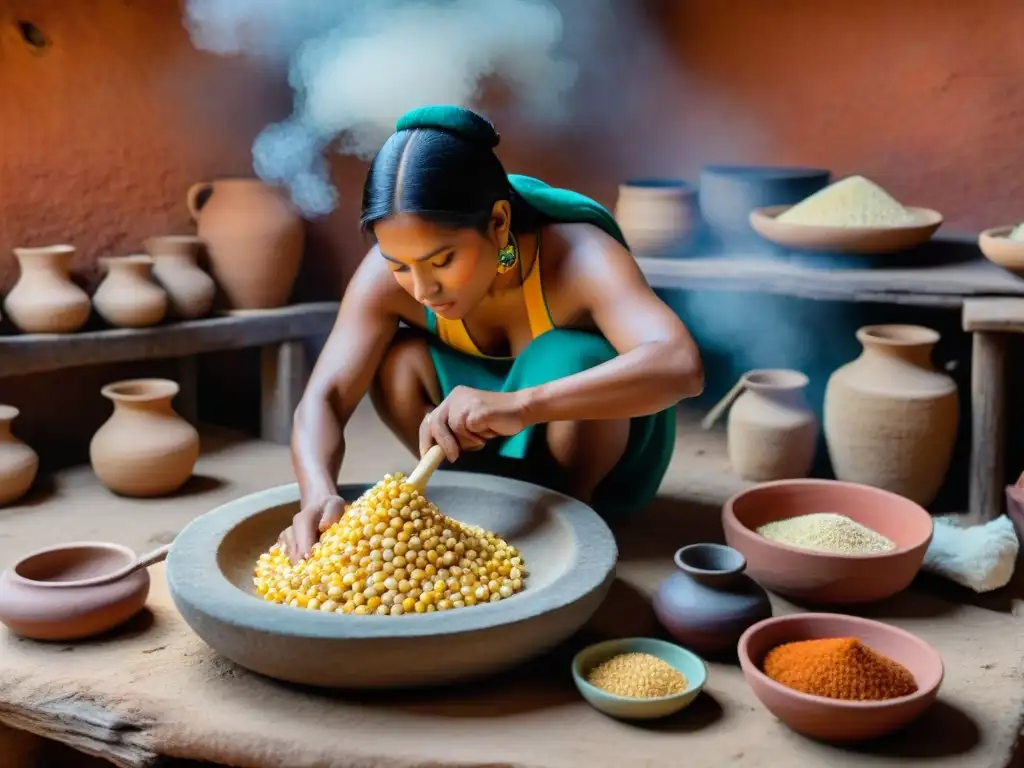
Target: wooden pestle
{"x": 421, "y": 475}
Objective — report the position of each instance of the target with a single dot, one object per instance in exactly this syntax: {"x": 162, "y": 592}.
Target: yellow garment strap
{"x": 454, "y": 334}
{"x": 536, "y": 306}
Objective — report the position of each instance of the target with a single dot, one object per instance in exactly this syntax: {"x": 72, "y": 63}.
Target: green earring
{"x": 508, "y": 256}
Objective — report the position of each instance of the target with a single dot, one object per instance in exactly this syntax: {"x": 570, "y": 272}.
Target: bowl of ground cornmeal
{"x": 827, "y": 542}
{"x": 839, "y": 678}
{"x": 638, "y": 678}
{"x": 406, "y": 589}
{"x": 853, "y": 215}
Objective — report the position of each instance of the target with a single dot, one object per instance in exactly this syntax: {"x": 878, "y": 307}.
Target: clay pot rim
{"x": 16, "y": 576}
{"x": 131, "y": 259}
{"x": 8, "y": 413}
{"x": 903, "y": 335}
{"x": 657, "y": 185}
{"x": 778, "y": 379}
{"x": 38, "y": 250}
{"x": 151, "y": 389}
{"x": 685, "y": 567}
{"x": 766, "y": 172}
{"x": 753, "y": 668}
{"x": 729, "y": 518}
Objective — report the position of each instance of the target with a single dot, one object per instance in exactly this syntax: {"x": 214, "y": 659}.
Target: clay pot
{"x": 128, "y": 297}
{"x": 44, "y": 300}
{"x": 709, "y": 602}
{"x": 657, "y": 216}
{"x": 18, "y": 462}
{"x": 890, "y": 417}
{"x": 40, "y": 596}
{"x": 772, "y": 433}
{"x": 190, "y": 291}
{"x": 145, "y": 448}
{"x": 254, "y": 237}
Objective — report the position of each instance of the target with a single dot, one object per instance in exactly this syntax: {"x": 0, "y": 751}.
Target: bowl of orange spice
{"x": 839, "y": 678}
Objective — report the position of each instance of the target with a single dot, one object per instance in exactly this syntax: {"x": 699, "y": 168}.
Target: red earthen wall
{"x": 103, "y": 130}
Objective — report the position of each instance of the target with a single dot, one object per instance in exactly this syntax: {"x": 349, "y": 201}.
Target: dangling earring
{"x": 508, "y": 256}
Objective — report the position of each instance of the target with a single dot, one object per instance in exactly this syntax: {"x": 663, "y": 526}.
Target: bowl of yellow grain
{"x": 853, "y": 215}
{"x": 828, "y": 542}
{"x": 839, "y": 678}
{"x": 638, "y": 678}
{"x": 1004, "y": 246}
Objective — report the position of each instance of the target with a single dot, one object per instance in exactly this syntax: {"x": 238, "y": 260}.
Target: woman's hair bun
{"x": 457, "y": 120}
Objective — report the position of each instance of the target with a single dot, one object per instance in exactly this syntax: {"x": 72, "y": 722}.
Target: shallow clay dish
{"x": 39, "y": 597}
{"x": 998, "y": 248}
{"x": 832, "y": 719}
{"x": 823, "y": 577}
{"x": 692, "y": 667}
{"x": 569, "y": 551}
{"x": 858, "y": 240}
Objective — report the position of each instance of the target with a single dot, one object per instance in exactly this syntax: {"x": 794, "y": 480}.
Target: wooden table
{"x": 279, "y": 333}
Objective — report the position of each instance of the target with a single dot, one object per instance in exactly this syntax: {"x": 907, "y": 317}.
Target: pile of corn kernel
{"x": 393, "y": 553}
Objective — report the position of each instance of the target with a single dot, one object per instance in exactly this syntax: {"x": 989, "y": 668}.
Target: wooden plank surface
{"x": 994, "y": 315}
{"x": 944, "y": 285}
{"x": 34, "y": 353}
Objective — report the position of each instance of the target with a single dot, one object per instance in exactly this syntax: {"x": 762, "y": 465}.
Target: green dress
{"x": 555, "y": 354}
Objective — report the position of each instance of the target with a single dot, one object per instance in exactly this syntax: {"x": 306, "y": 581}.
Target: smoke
{"x": 355, "y": 66}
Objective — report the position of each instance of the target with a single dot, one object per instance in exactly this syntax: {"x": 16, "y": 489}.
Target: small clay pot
{"x": 18, "y": 462}
{"x": 709, "y": 602}
{"x": 45, "y": 300}
{"x": 190, "y": 290}
{"x": 128, "y": 297}
{"x": 657, "y": 216}
{"x": 145, "y": 448}
{"x": 39, "y": 597}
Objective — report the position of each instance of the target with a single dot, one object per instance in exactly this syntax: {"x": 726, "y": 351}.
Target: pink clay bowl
{"x": 836, "y": 720}
{"x": 825, "y": 578}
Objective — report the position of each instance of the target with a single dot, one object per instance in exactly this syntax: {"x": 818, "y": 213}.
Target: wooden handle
{"x": 154, "y": 557}
{"x": 714, "y": 414}
{"x": 431, "y": 461}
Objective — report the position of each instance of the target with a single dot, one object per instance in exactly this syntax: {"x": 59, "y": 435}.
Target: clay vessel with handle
{"x": 74, "y": 591}
{"x": 254, "y": 238}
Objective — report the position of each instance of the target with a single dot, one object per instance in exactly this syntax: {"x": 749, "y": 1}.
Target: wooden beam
{"x": 283, "y": 376}
{"x": 36, "y": 353}
{"x": 1003, "y": 315}
{"x": 988, "y": 427}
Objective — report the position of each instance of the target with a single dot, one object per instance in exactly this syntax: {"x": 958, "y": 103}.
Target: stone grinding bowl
{"x": 825, "y": 578}
{"x": 835, "y": 720}
{"x": 851, "y": 240}
{"x": 569, "y": 552}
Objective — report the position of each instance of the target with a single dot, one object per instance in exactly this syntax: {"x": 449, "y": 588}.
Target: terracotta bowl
{"x": 822, "y": 577}
{"x": 569, "y": 551}
{"x": 999, "y": 249}
{"x": 832, "y": 719}
{"x": 856, "y": 240}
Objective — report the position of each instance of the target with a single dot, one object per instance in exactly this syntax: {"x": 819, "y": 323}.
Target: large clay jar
{"x": 18, "y": 462}
{"x": 128, "y": 297}
{"x": 45, "y": 300}
{"x": 145, "y": 448}
{"x": 890, "y": 417}
{"x": 709, "y": 602}
{"x": 254, "y": 237}
{"x": 190, "y": 291}
{"x": 772, "y": 433}
{"x": 657, "y": 216}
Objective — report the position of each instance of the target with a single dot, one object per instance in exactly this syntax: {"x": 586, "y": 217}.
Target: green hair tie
{"x": 458, "y": 120}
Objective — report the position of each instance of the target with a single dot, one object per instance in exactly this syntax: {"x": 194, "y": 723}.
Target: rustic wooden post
{"x": 283, "y": 376}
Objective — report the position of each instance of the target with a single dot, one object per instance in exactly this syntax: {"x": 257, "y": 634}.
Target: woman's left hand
{"x": 468, "y": 418}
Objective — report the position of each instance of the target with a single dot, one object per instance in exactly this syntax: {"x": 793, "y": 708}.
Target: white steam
{"x": 357, "y": 65}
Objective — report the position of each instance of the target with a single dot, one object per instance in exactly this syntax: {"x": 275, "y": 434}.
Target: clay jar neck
{"x": 128, "y": 268}
{"x": 8, "y": 413}
{"x": 50, "y": 259}
{"x": 174, "y": 249}
{"x": 779, "y": 386}
{"x": 911, "y": 344}
{"x": 715, "y": 566}
{"x": 151, "y": 396}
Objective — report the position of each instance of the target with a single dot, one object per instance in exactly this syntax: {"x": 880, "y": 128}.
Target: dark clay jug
{"x": 709, "y": 602}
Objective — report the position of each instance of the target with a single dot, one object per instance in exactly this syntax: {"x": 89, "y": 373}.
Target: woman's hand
{"x": 312, "y": 520}
{"x": 468, "y": 418}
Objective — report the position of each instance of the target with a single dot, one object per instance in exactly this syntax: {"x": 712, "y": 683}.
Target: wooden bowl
{"x": 836, "y": 720}
{"x": 569, "y": 551}
{"x": 825, "y": 578}
{"x": 856, "y": 240}
{"x": 997, "y": 247}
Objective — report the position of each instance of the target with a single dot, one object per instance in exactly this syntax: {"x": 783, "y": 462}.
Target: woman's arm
{"x": 366, "y": 324}
{"x": 658, "y": 363}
